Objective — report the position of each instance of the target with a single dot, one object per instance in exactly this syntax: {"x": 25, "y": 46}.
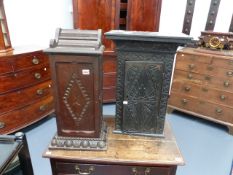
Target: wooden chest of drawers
{"x": 126, "y": 155}
{"x": 25, "y": 95}
{"x": 202, "y": 85}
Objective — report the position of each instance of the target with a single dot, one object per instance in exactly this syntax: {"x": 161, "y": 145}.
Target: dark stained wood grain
{"x": 143, "y": 15}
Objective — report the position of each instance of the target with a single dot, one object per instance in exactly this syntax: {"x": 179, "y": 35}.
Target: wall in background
{"x": 33, "y": 22}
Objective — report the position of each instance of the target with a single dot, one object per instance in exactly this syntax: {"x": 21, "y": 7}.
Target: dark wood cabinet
{"x": 115, "y": 14}
{"x": 145, "y": 62}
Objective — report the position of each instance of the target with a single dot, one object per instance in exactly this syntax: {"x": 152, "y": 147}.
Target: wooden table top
{"x": 128, "y": 149}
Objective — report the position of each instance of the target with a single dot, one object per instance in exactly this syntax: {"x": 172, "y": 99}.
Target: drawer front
{"x": 193, "y": 58}
{"x": 192, "y": 104}
{"x": 197, "y": 67}
{"x": 23, "y": 97}
{"x": 94, "y": 169}
{"x": 25, "y": 61}
{"x": 204, "y": 92}
{"x": 220, "y": 83}
{"x": 24, "y": 78}
{"x": 20, "y": 118}
{"x": 6, "y": 65}
{"x": 109, "y": 80}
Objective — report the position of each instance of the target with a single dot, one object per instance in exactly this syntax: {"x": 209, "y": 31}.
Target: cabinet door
{"x": 142, "y": 93}
{"x": 143, "y": 15}
{"x": 95, "y": 14}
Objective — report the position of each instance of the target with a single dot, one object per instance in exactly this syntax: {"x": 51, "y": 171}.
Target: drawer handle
{"x": 207, "y": 77}
{"x": 191, "y": 66}
{"x": 43, "y": 107}
{"x": 40, "y": 92}
{"x": 190, "y": 76}
{"x": 184, "y": 101}
{"x": 146, "y": 172}
{"x": 226, "y": 83}
{"x": 86, "y": 172}
{"x": 229, "y": 73}
{"x": 2, "y": 125}
{"x": 35, "y": 60}
{"x": 210, "y": 68}
{"x": 222, "y": 97}
{"x": 187, "y": 88}
{"x": 37, "y": 75}
{"x": 218, "y": 110}
{"x": 204, "y": 89}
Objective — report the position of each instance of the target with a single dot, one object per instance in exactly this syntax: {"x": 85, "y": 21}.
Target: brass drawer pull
{"x": 2, "y": 125}
{"x": 147, "y": 171}
{"x": 222, "y": 97}
{"x": 187, "y": 88}
{"x": 184, "y": 101}
{"x": 40, "y": 92}
{"x": 210, "y": 68}
{"x": 226, "y": 83}
{"x": 35, "y": 60}
{"x": 218, "y": 110}
{"x": 229, "y": 73}
{"x": 43, "y": 107}
{"x": 191, "y": 66}
{"x": 37, "y": 76}
{"x": 190, "y": 76}
{"x": 85, "y": 172}
{"x": 207, "y": 77}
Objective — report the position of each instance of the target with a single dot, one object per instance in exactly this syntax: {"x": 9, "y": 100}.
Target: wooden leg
{"x": 169, "y": 110}
{"x": 230, "y": 130}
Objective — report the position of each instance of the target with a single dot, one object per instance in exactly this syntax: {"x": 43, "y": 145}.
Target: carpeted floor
{"x": 207, "y": 147}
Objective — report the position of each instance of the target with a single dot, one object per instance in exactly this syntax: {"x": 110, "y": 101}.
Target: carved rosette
{"x": 78, "y": 143}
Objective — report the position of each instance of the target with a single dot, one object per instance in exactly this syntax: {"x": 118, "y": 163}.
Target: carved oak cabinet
{"x": 145, "y": 61}
{"x": 76, "y": 64}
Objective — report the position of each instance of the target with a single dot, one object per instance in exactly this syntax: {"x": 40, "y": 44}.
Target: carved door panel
{"x": 75, "y": 84}
{"x": 142, "y": 93}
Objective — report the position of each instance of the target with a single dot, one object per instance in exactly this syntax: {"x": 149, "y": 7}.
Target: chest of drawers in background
{"x": 203, "y": 85}
{"x": 25, "y": 89}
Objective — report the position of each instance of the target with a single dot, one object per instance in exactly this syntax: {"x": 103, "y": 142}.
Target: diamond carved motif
{"x": 76, "y": 99}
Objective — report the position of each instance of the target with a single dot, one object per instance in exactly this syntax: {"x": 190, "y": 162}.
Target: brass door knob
{"x": 187, "y": 88}
{"x": 222, "y": 97}
{"x": 37, "y": 75}
{"x": 43, "y": 107}
{"x": 40, "y": 92}
{"x": 35, "y": 60}
{"x": 218, "y": 110}
{"x": 229, "y": 73}
{"x": 2, "y": 125}
{"x": 226, "y": 83}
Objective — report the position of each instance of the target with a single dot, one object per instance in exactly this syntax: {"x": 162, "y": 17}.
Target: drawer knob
{"x": 229, "y": 73}
{"x": 2, "y": 125}
{"x": 37, "y": 76}
{"x": 218, "y": 110}
{"x": 147, "y": 171}
{"x": 40, "y": 92}
{"x": 210, "y": 68}
{"x": 190, "y": 76}
{"x": 85, "y": 172}
{"x": 226, "y": 83}
{"x": 184, "y": 101}
{"x": 191, "y": 66}
{"x": 187, "y": 88}
{"x": 207, "y": 77}
{"x": 43, "y": 107}
{"x": 35, "y": 60}
{"x": 222, "y": 97}
{"x": 134, "y": 171}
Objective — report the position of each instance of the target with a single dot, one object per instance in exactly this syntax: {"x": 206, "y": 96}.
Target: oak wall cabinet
{"x": 115, "y": 14}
